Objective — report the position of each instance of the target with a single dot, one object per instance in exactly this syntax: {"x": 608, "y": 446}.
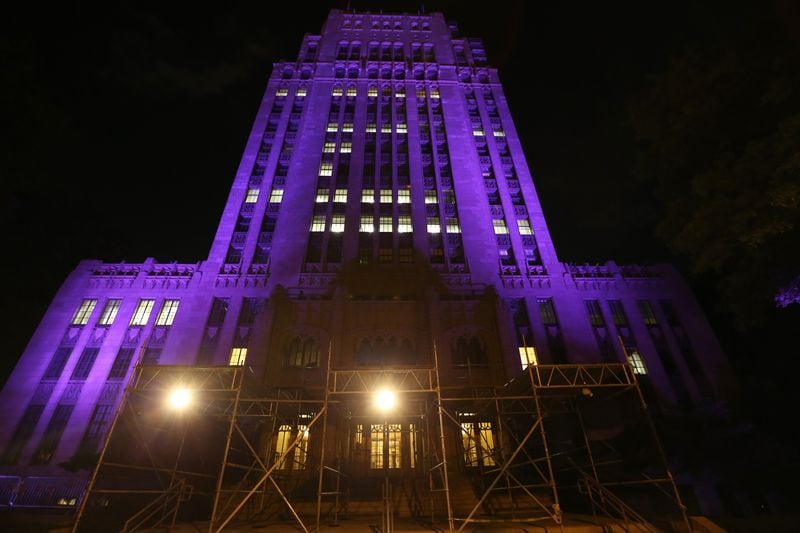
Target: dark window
{"x": 618, "y": 312}
{"x": 547, "y": 311}
{"x": 57, "y": 363}
{"x": 250, "y": 308}
{"x": 96, "y": 428}
{"x": 23, "y": 432}
{"x": 85, "y": 363}
{"x": 219, "y": 308}
{"x": 647, "y": 312}
{"x": 121, "y": 364}
{"x": 595, "y": 315}
{"x": 469, "y": 351}
{"x": 302, "y": 352}
{"x": 53, "y": 434}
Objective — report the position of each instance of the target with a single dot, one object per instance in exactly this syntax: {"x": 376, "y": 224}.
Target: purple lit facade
{"x": 383, "y": 206}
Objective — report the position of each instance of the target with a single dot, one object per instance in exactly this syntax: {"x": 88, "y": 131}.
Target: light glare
{"x": 180, "y": 398}
{"x": 385, "y": 400}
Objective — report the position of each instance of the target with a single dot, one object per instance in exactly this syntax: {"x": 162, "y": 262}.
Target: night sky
{"x": 123, "y": 125}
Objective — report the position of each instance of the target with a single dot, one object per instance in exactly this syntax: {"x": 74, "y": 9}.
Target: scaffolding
{"x": 557, "y": 437}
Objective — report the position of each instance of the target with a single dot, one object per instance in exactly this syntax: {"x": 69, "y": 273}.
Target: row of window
{"x": 141, "y": 315}
{"x": 386, "y": 24}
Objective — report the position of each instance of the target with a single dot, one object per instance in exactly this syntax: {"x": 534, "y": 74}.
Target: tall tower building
{"x": 383, "y": 216}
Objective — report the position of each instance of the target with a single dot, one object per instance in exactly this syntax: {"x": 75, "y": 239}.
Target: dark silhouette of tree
{"x": 719, "y": 131}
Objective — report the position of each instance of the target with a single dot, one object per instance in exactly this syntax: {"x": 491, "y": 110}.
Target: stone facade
{"x": 389, "y": 138}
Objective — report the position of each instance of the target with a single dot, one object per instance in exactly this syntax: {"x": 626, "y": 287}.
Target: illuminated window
{"x": 412, "y": 446}
{"x": 81, "y": 316}
{"x": 252, "y": 196}
{"x": 346, "y": 147}
{"x": 478, "y": 132}
{"x": 282, "y": 92}
{"x": 376, "y": 446}
{"x": 167, "y": 314}
{"x": 318, "y": 223}
{"x": 469, "y": 444}
{"x": 372, "y": 92}
{"x": 372, "y": 127}
{"x": 385, "y": 225}
{"x": 368, "y": 196}
{"x": 337, "y": 223}
{"x": 322, "y": 196}
{"x": 329, "y": 148}
{"x": 326, "y": 169}
{"x": 500, "y": 227}
{"x": 421, "y": 94}
{"x": 401, "y": 127}
{"x": 351, "y": 92}
{"x": 238, "y": 355}
{"x": 276, "y": 196}
{"x": 301, "y": 450}
{"x": 337, "y": 91}
{"x": 333, "y": 127}
{"x": 524, "y": 226}
{"x": 431, "y": 198}
{"x": 347, "y": 127}
{"x": 404, "y": 224}
{"x": 142, "y": 313}
{"x": 637, "y": 363}
{"x": 340, "y": 196}
{"x": 302, "y": 91}
{"x": 282, "y": 442}
{"x": 486, "y": 441}
{"x": 499, "y": 133}
{"x": 403, "y": 196}
{"x": 386, "y": 196}
{"x": 393, "y": 446}
{"x": 452, "y": 225}
{"x": 527, "y": 356}
{"x": 400, "y": 93}
{"x": 359, "y": 436}
{"x": 109, "y": 312}
{"x": 477, "y": 440}
{"x": 386, "y": 128}
{"x": 367, "y": 224}
{"x": 434, "y": 93}
{"x": 433, "y": 225}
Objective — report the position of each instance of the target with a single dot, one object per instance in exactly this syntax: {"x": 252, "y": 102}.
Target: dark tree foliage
{"x": 719, "y": 131}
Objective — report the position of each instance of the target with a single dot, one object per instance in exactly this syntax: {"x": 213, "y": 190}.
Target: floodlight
{"x": 385, "y": 400}
{"x": 179, "y": 398}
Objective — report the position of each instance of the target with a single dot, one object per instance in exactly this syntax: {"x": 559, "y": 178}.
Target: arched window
{"x": 341, "y": 50}
{"x": 374, "y": 50}
{"x": 469, "y": 351}
{"x": 355, "y": 50}
{"x": 386, "y": 51}
{"x": 398, "y": 52}
{"x": 302, "y": 352}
